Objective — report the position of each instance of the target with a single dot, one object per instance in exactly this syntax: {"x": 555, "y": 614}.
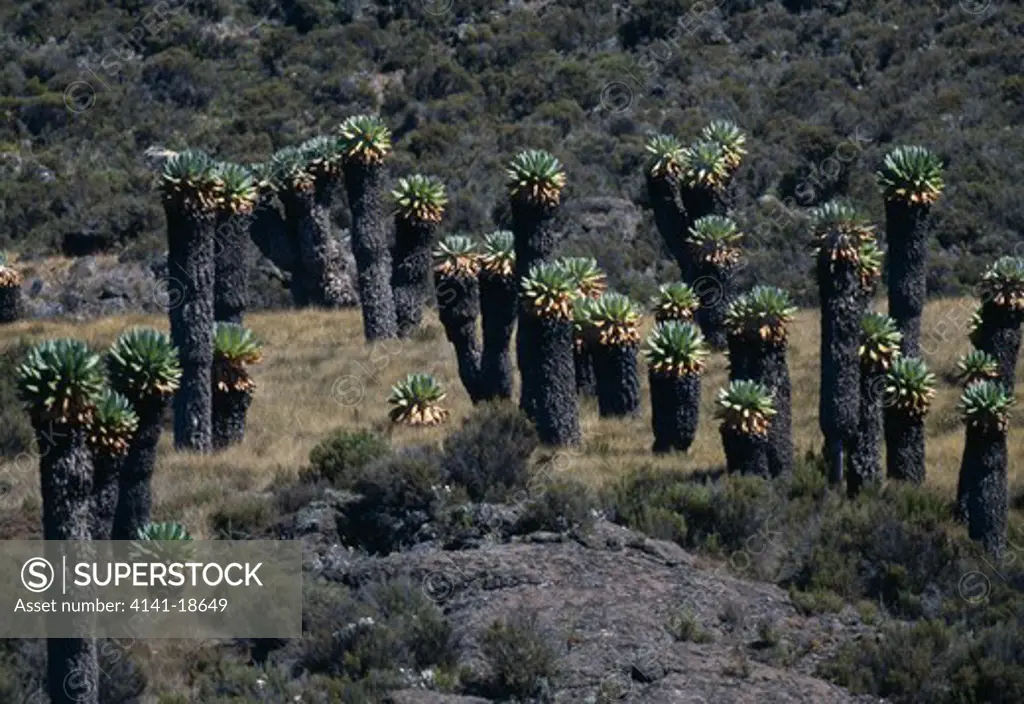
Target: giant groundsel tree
{"x": 456, "y": 267}
{"x": 676, "y": 353}
{"x": 498, "y": 298}
{"x": 419, "y": 206}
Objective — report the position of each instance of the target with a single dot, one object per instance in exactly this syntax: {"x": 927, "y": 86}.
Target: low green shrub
{"x": 490, "y": 454}
{"x": 561, "y": 507}
{"x": 340, "y": 456}
{"x": 520, "y": 654}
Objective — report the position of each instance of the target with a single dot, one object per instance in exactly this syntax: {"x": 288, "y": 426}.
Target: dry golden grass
{"x": 318, "y": 374}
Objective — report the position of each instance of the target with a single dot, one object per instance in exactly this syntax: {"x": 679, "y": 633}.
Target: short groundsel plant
{"x": 616, "y": 320}
{"x": 839, "y": 232}
{"x": 675, "y": 301}
{"x": 1003, "y": 283}
{"x": 549, "y": 291}
{"x": 880, "y": 340}
{"x": 705, "y": 165}
{"x": 60, "y": 381}
{"x": 676, "y": 349}
{"x": 589, "y": 278}
{"x": 911, "y": 174}
{"x": 235, "y": 348}
{"x": 745, "y": 407}
{"x": 909, "y": 386}
{"x": 498, "y": 255}
{"x": 985, "y": 405}
{"x": 764, "y": 313}
{"x": 976, "y": 365}
{"x": 417, "y": 401}
{"x": 365, "y": 139}
{"x": 457, "y": 256}
{"x": 715, "y": 239}
{"x": 113, "y": 424}
{"x": 666, "y": 156}
{"x": 9, "y": 276}
{"x": 143, "y": 364}
{"x": 537, "y": 177}
{"x": 420, "y": 198}
{"x": 161, "y": 542}
{"x": 730, "y": 138}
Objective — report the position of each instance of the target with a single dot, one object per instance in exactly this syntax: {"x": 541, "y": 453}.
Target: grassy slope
{"x": 318, "y": 374}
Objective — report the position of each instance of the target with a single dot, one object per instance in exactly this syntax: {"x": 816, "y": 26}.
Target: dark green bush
{"x": 244, "y": 517}
{"x": 490, "y": 454}
{"x": 16, "y": 435}
{"x": 341, "y": 456}
{"x": 520, "y": 654}
{"x": 561, "y": 506}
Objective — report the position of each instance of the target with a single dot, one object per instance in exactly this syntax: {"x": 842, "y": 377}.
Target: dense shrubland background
{"x": 824, "y": 89}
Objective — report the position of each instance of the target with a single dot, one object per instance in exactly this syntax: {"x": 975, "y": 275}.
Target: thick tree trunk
{"x": 765, "y": 363}
{"x": 66, "y": 476}
{"x": 191, "y": 271}
{"x": 999, "y": 334}
{"x": 532, "y": 228}
{"x": 498, "y": 301}
{"x": 842, "y": 306}
{"x": 670, "y": 219}
{"x": 322, "y": 264}
{"x": 740, "y": 357}
{"x": 700, "y": 202}
{"x": 866, "y": 453}
{"x": 713, "y": 285}
{"x": 229, "y": 409}
{"x": 557, "y": 405}
{"x": 745, "y": 454}
{"x": 277, "y": 241}
{"x": 105, "y": 488}
{"x": 904, "y": 447}
{"x": 586, "y": 375}
{"x": 231, "y": 271}
{"x": 675, "y": 410}
{"x": 11, "y": 308}
{"x": 372, "y": 249}
{"x": 411, "y": 279}
{"x": 134, "y": 500}
{"x": 906, "y": 228}
{"x": 982, "y": 492}
{"x": 458, "y": 306}
{"x": 618, "y": 386}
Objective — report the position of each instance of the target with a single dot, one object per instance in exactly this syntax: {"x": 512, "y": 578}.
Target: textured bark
{"x": 372, "y": 249}
{"x": 66, "y": 476}
{"x": 458, "y": 306}
{"x": 231, "y": 271}
{"x": 11, "y": 308}
{"x": 618, "y": 386}
{"x": 842, "y": 307}
{"x": 276, "y": 240}
{"x": 699, "y": 202}
{"x": 745, "y": 454}
{"x": 229, "y": 409}
{"x": 498, "y": 301}
{"x": 904, "y": 447}
{"x": 105, "y": 488}
{"x": 557, "y": 405}
{"x": 866, "y": 453}
{"x": 411, "y": 279}
{"x": 675, "y": 410}
{"x": 713, "y": 285}
{"x": 765, "y": 363}
{"x": 321, "y": 262}
{"x": 670, "y": 219}
{"x": 532, "y": 228}
{"x": 982, "y": 494}
{"x": 586, "y": 375}
{"x": 906, "y": 229}
{"x": 191, "y": 271}
{"x": 134, "y": 500}
{"x": 999, "y": 335}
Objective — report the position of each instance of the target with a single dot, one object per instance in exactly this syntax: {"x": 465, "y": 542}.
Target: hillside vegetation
{"x": 823, "y": 87}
